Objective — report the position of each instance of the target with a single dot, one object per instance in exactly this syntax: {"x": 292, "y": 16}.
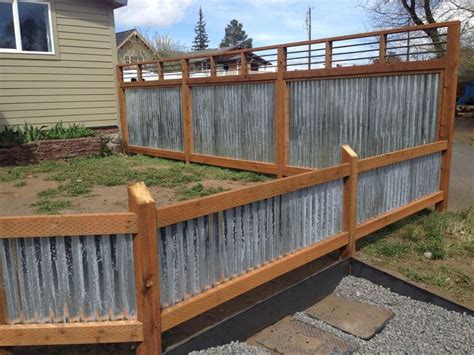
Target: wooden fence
{"x": 196, "y": 80}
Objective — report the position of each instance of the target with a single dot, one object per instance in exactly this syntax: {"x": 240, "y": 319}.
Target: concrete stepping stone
{"x": 290, "y": 336}
{"x": 360, "y": 319}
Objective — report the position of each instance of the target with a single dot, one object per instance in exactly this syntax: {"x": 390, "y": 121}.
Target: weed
{"x": 49, "y": 193}
{"x": 388, "y": 248}
{"x": 198, "y": 190}
{"x": 47, "y": 206}
{"x": 20, "y": 183}
{"x": 440, "y": 278}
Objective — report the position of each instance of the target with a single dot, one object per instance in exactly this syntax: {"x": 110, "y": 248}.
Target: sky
{"x": 266, "y": 21}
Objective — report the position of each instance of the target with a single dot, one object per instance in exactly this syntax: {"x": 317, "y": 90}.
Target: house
{"x": 57, "y": 62}
{"x": 132, "y": 47}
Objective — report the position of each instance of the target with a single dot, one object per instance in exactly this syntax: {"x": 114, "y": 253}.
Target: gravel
{"x": 417, "y": 327}
{"x": 233, "y": 348}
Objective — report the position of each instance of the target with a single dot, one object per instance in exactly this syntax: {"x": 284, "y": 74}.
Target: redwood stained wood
{"x": 280, "y": 111}
{"x": 186, "y": 110}
{"x": 122, "y": 108}
{"x": 349, "y": 218}
{"x": 147, "y": 275}
{"x": 156, "y": 152}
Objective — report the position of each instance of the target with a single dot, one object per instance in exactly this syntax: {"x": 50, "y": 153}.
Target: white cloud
{"x": 151, "y": 13}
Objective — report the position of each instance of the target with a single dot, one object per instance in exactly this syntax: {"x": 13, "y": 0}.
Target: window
{"x": 25, "y": 26}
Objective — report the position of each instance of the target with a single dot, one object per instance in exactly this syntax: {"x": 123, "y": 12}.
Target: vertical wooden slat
{"x": 243, "y": 65}
{"x": 382, "y": 48}
{"x": 349, "y": 219}
{"x": 186, "y": 109}
{"x": 448, "y": 109}
{"x": 139, "y": 72}
{"x": 212, "y": 62}
{"x": 281, "y": 125}
{"x": 147, "y": 277}
{"x": 122, "y": 108}
{"x": 328, "y": 59}
{"x": 161, "y": 74}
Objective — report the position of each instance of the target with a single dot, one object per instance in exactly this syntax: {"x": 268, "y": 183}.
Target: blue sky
{"x": 266, "y": 21}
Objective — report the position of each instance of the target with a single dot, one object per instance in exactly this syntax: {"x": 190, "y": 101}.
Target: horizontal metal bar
{"x": 353, "y": 52}
{"x": 413, "y": 45}
{"x": 353, "y": 59}
{"x": 306, "y": 51}
{"x": 417, "y": 37}
{"x": 356, "y": 44}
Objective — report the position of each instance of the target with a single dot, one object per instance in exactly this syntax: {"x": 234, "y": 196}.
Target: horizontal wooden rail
{"x": 198, "y": 304}
{"x": 385, "y": 219}
{"x": 303, "y": 43}
{"x": 401, "y": 155}
{"x": 259, "y": 167}
{"x": 187, "y": 210}
{"x": 71, "y": 333}
{"x": 156, "y": 152}
{"x": 67, "y": 225}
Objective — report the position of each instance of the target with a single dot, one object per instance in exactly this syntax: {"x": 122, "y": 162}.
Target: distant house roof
{"x": 122, "y": 37}
{"x": 223, "y": 51}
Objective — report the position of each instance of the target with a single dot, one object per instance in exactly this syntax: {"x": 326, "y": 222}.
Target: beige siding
{"x": 77, "y": 84}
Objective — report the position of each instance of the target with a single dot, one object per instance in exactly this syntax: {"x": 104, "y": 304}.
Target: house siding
{"x": 77, "y": 83}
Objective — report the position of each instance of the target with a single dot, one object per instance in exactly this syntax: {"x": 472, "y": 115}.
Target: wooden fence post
{"x": 383, "y": 48}
{"x": 122, "y": 109}
{"x": 328, "y": 56}
{"x": 3, "y": 309}
{"x": 281, "y": 124}
{"x": 147, "y": 277}
{"x": 186, "y": 110}
{"x": 448, "y": 108}
{"x": 349, "y": 219}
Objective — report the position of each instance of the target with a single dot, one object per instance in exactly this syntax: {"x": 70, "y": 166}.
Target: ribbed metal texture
{"x": 235, "y": 121}
{"x": 154, "y": 117}
{"x": 392, "y": 186}
{"x": 374, "y": 115}
{"x": 200, "y": 253}
{"x": 68, "y": 279}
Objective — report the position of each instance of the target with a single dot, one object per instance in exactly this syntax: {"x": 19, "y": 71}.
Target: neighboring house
{"x": 133, "y": 48}
{"x": 57, "y": 62}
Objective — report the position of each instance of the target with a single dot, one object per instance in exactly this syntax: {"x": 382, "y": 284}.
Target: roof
{"x": 224, "y": 50}
{"x": 123, "y": 36}
{"x": 117, "y": 3}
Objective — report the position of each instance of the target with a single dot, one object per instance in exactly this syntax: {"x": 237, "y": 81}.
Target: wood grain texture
{"x": 71, "y": 333}
{"x": 280, "y": 111}
{"x": 156, "y": 152}
{"x": 179, "y": 313}
{"x": 349, "y": 218}
{"x": 385, "y": 219}
{"x": 250, "y": 165}
{"x": 147, "y": 275}
{"x": 122, "y": 109}
{"x": 186, "y": 110}
{"x": 401, "y": 155}
{"x": 67, "y": 225}
{"x": 187, "y": 210}
{"x": 448, "y": 108}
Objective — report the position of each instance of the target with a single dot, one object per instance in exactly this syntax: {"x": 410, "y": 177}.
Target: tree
{"x": 165, "y": 45}
{"x": 396, "y": 13}
{"x": 201, "y": 40}
{"x": 234, "y": 35}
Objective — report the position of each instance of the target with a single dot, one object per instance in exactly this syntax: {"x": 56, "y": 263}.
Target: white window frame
{"x": 17, "y": 29}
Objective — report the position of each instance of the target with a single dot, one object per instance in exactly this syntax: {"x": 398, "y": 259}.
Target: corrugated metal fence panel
{"x": 68, "y": 279}
{"x": 154, "y": 117}
{"x": 392, "y": 186}
{"x": 235, "y": 121}
{"x": 374, "y": 115}
{"x": 200, "y": 253}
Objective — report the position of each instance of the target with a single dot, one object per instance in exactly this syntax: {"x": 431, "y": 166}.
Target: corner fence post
{"x": 349, "y": 219}
{"x": 147, "y": 277}
{"x": 448, "y": 108}
{"x": 122, "y": 108}
{"x": 281, "y": 113}
{"x": 186, "y": 110}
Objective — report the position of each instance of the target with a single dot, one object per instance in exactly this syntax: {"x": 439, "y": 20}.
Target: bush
{"x": 30, "y": 133}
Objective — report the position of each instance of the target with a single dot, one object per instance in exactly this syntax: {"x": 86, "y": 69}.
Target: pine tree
{"x": 201, "y": 39}
{"x": 234, "y": 35}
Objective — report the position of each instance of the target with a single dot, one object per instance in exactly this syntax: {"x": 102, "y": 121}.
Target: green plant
{"x": 47, "y": 206}
{"x": 11, "y": 136}
{"x": 198, "y": 190}
{"x": 20, "y": 183}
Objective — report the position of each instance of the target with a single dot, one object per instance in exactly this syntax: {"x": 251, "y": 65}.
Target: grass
{"x": 47, "y": 206}
{"x": 78, "y": 176}
{"x": 448, "y": 237}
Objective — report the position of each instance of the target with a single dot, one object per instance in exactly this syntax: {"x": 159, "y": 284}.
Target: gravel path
{"x": 231, "y": 349}
{"x": 417, "y": 328}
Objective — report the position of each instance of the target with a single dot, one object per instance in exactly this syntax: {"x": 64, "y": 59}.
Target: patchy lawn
{"x": 434, "y": 250}
{"x": 98, "y": 184}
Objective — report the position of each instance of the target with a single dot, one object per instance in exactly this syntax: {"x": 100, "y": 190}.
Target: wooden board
{"x": 67, "y": 225}
{"x": 385, "y": 219}
{"x": 181, "y": 312}
{"x": 187, "y": 210}
{"x": 349, "y": 217}
{"x": 71, "y": 333}
{"x": 401, "y": 155}
{"x": 155, "y": 152}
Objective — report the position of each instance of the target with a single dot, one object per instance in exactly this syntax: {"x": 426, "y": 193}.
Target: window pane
{"x": 34, "y": 27}
{"x": 7, "y": 30}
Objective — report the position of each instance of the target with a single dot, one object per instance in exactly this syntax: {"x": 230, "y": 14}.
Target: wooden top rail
{"x": 302, "y": 43}
{"x": 401, "y": 155}
{"x": 67, "y": 225}
{"x": 187, "y": 210}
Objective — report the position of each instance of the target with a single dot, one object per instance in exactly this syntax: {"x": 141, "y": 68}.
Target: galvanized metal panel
{"x": 374, "y": 115}
{"x": 154, "y": 117}
{"x": 235, "y": 121}
{"x": 198, "y": 254}
{"x": 68, "y": 279}
{"x": 392, "y": 186}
